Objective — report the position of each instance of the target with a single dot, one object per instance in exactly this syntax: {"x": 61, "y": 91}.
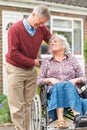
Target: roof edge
{"x": 52, "y": 6}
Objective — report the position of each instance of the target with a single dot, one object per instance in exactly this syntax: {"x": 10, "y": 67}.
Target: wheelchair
{"x": 39, "y": 118}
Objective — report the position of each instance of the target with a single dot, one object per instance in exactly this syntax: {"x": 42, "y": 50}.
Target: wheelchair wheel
{"x": 35, "y": 113}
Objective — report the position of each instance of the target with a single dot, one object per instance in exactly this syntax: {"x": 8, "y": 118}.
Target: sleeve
{"x": 43, "y": 71}
{"x": 13, "y": 47}
{"x": 77, "y": 68}
{"x": 46, "y": 34}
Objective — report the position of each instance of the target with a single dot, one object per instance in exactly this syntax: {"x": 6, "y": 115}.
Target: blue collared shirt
{"x": 29, "y": 29}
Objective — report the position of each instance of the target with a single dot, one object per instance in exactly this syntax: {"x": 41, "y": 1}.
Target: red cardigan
{"x": 22, "y": 47}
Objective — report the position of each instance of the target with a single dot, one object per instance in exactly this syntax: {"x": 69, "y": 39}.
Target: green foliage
{"x": 2, "y": 97}
{"x": 4, "y": 110}
{"x": 85, "y": 48}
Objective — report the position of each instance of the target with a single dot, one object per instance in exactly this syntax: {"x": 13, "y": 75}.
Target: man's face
{"x": 38, "y": 21}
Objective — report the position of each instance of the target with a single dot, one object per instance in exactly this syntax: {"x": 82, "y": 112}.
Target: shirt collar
{"x": 29, "y": 29}
{"x": 52, "y": 58}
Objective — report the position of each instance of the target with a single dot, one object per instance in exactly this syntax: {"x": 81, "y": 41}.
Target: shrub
{"x": 4, "y": 110}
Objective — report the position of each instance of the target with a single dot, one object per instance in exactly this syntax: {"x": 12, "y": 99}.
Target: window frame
{"x": 52, "y": 28}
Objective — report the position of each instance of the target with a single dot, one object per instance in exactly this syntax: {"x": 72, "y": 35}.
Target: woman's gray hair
{"x": 42, "y": 10}
{"x": 64, "y": 42}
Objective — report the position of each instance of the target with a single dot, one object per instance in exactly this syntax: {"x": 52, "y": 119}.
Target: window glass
{"x": 62, "y": 23}
{"x": 77, "y": 37}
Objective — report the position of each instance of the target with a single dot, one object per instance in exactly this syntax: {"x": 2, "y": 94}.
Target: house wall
{"x": 85, "y": 35}
{"x": 74, "y": 16}
{"x": 0, "y": 51}
{"x": 8, "y": 8}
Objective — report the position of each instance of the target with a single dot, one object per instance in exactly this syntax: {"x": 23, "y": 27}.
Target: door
{"x": 8, "y": 18}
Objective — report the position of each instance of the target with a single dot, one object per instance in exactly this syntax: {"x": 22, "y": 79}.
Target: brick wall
{"x": 28, "y": 10}
{"x": 86, "y": 68}
{"x": 74, "y": 16}
{"x": 0, "y": 52}
{"x": 85, "y": 35}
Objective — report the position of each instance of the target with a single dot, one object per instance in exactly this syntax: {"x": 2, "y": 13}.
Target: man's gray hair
{"x": 42, "y": 10}
{"x": 64, "y": 42}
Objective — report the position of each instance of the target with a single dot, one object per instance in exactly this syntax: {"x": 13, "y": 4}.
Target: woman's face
{"x": 56, "y": 45}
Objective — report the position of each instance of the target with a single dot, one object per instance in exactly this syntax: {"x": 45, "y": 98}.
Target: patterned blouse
{"x": 65, "y": 70}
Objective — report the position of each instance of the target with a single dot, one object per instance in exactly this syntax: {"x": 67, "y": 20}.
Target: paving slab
{"x": 7, "y": 127}
{"x": 70, "y": 126}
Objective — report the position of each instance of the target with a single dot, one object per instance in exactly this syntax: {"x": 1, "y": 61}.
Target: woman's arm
{"x": 51, "y": 80}
{"x": 42, "y": 77}
{"x": 79, "y": 75}
{"x": 76, "y": 80}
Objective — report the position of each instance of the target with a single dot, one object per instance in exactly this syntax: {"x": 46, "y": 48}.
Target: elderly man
{"x": 24, "y": 40}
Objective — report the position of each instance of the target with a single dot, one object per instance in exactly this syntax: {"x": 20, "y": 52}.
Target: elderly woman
{"x": 62, "y": 73}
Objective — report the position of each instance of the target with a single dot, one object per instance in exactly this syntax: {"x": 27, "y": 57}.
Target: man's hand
{"x": 37, "y": 62}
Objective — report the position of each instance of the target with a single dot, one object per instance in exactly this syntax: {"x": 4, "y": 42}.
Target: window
{"x": 77, "y": 37}
{"x": 71, "y": 28}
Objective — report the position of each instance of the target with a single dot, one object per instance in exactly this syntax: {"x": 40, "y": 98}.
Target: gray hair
{"x": 42, "y": 10}
{"x": 64, "y": 42}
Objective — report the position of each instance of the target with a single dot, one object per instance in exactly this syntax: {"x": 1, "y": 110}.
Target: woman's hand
{"x": 51, "y": 80}
{"x": 76, "y": 80}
